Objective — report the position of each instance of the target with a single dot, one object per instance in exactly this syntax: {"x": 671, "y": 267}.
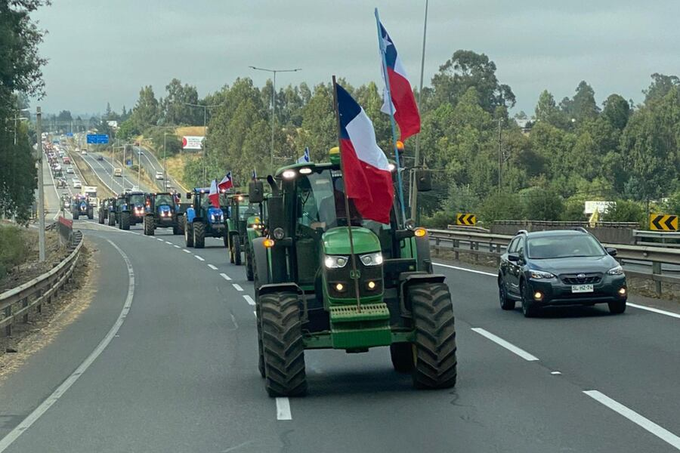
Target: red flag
{"x": 226, "y": 183}
{"x": 367, "y": 175}
{"x": 214, "y": 195}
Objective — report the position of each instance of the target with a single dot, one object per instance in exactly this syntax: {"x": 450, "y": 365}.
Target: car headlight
{"x": 335, "y": 261}
{"x": 372, "y": 259}
{"x": 618, "y": 270}
{"x": 541, "y": 275}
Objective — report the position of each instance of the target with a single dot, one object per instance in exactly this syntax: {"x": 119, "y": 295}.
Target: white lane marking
{"x": 63, "y": 388}
{"x": 509, "y": 346}
{"x": 465, "y": 270}
{"x": 226, "y": 277}
{"x": 255, "y": 313}
{"x": 159, "y": 239}
{"x": 169, "y": 243}
{"x": 636, "y": 418}
{"x": 283, "y": 409}
{"x": 132, "y": 232}
{"x": 177, "y": 246}
{"x": 198, "y": 258}
{"x": 237, "y": 287}
{"x": 555, "y": 373}
{"x": 249, "y": 300}
{"x": 187, "y": 251}
{"x": 212, "y": 267}
{"x": 654, "y": 310}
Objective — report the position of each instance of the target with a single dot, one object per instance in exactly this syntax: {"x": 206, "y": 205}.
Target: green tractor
{"x": 162, "y": 212}
{"x": 310, "y": 294}
{"x": 255, "y": 228}
{"x": 238, "y": 213}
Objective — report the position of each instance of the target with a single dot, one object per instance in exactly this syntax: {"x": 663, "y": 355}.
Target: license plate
{"x": 581, "y": 288}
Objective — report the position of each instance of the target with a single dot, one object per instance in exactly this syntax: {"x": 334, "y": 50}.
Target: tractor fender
{"x": 191, "y": 214}
{"x": 288, "y": 287}
{"x": 424, "y": 261}
{"x": 407, "y": 279}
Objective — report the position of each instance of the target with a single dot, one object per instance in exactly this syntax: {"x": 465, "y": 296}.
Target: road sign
{"x": 192, "y": 142}
{"x": 69, "y": 134}
{"x": 663, "y": 222}
{"x": 97, "y": 139}
{"x": 466, "y": 219}
{"x": 128, "y": 163}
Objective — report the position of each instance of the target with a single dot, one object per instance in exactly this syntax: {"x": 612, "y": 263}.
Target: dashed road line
{"x": 489, "y": 274}
{"x": 159, "y": 239}
{"x": 283, "y": 409}
{"x": 237, "y": 286}
{"x": 226, "y": 277}
{"x": 507, "y": 345}
{"x": 636, "y": 418}
{"x": 187, "y": 251}
{"x": 198, "y": 258}
{"x": 169, "y": 243}
{"x": 212, "y": 267}
{"x": 177, "y": 246}
{"x": 249, "y": 300}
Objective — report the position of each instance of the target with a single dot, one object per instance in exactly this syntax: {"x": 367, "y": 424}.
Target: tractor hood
{"x": 215, "y": 215}
{"x": 164, "y": 208}
{"x": 336, "y": 241}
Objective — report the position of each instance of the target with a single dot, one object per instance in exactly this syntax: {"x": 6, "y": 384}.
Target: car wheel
{"x": 506, "y": 302}
{"x": 528, "y": 307}
{"x": 616, "y": 308}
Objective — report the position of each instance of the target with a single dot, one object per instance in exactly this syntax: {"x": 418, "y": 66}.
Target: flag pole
{"x": 348, "y": 214}
{"x": 383, "y": 51}
{"x": 416, "y": 163}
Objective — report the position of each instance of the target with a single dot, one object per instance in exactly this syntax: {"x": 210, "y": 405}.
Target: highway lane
{"x": 104, "y": 170}
{"x": 152, "y": 164}
{"x": 181, "y": 375}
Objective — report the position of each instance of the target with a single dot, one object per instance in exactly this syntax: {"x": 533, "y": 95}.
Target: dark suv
{"x": 562, "y": 267}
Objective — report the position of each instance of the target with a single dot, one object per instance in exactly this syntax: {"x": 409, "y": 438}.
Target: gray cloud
{"x": 105, "y": 51}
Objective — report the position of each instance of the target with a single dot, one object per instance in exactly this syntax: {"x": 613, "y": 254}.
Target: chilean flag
{"x": 214, "y": 195}
{"x": 367, "y": 176}
{"x": 226, "y": 183}
{"x": 403, "y": 102}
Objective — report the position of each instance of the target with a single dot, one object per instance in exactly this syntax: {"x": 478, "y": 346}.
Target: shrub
{"x": 13, "y": 248}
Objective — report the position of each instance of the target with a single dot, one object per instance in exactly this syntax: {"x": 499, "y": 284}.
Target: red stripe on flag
{"x": 406, "y": 114}
{"x": 370, "y": 188}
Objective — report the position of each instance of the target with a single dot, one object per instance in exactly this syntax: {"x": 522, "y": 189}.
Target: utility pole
{"x": 41, "y": 189}
{"x": 416, "y": 161}
{"x": 274, "y": 71}
{"x": 500, "y": 155}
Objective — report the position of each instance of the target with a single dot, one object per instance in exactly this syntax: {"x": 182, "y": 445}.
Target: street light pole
{"x": 41, "y": 189}
{"x": 274, "y": 71}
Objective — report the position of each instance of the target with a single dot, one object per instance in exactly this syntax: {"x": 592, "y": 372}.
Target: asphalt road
{"x": 180, "y": 373}
{"x": 151, "y": 165}
{"x": 104, "y": 170}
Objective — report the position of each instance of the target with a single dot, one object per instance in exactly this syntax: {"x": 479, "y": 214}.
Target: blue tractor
{"x": 202, "y": 220}
{"x": 161, "y": 212}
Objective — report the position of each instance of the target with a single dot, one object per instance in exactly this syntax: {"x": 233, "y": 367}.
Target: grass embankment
{"x": 19, "y": 255}
{"x": 13, "y": 248}
{"x": 90, "y": 179}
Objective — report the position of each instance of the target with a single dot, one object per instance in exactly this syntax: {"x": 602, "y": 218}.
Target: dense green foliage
{"x": 13, "y": 248}
{"x": 20, "y": 76}
{"x": 571, "y": 151}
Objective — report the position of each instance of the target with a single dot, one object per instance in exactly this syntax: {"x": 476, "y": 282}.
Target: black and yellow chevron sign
{"x": 663, "y": 222}
{"x": 466, "y": 219}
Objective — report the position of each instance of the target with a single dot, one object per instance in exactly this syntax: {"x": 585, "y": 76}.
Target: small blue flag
{"x": 305, "y": 157}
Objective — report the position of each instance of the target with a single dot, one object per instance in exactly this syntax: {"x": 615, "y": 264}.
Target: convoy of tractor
{"x": 324, "y": 278}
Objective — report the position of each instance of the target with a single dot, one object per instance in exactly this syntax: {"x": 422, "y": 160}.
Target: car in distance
{"x": 117, "y": 172}
{"x": 76, "y": 183}
{"x": 560, "y": 267}
{"x": 83, "y": 152}
{"x": 159, "y": 175}
{"x": 100, "y": 157}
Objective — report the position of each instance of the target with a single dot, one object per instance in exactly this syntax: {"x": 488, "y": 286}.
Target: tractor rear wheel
{"x": 282, "y": 347}
{"x": 175, "y": 229}
{"x": 180, "y": 224}
{"x": 435, "y": 344}
{"x": 199, "y": 235}
{"x": 188, "y": 234}
{"x": 148, "y": 225}
{"x": 236, "y": 249}
{"x": 112, "y": 219}
{"x": 100, "y": 217}
{"x": 125, "y": 220}
{"x": 90, "y": 213}
{"x": 402, "y": 357}
{"x": 249, "y": 265}
{"x": 260, "y": 349}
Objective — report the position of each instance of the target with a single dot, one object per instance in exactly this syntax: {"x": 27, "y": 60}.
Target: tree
{"x": 548, "y": 112}
{"x": 583, "y": 106}
{"x": 660, "y": 86}
{"x": 175, "y": 110}
{"x": 468, "y": 69}
{"x": 616, "y": 111}
{"x": 146, "y": 111}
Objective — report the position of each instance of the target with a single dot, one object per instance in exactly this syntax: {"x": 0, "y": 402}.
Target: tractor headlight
{"x": 335, "y": 261}
{"x": 618, "y": 270}
{"x": 280, "y": 234}
{"x": 372, "y": 259}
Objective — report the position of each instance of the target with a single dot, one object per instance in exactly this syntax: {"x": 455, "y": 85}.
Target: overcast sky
{"x": 104, "y": 51}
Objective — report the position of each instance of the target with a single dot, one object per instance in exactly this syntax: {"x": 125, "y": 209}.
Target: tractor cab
{"x": 385, "y": 294}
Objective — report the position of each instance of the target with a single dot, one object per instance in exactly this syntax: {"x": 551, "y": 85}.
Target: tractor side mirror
{"x": 255, "y": 191}
{"x": 188, "y": 195}
{"x": 424, "y": 180}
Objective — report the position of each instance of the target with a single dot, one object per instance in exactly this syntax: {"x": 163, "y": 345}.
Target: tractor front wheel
{"x": 90, "y": 213}
{"x": 188, "y": 234}
{"x": 236, "y": 249}
{"x": 435, "y": 364}
{"x": 249, "y": 265}
{"x": 148, "y": 225}
{"x": 199, "y": 235}
{"x": 125, "y": 220}
{"x": 112, "y": 219}
{"x": 282, "y": 347}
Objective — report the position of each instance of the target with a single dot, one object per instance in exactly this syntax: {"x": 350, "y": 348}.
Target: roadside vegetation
{"x": 14, "y": 248}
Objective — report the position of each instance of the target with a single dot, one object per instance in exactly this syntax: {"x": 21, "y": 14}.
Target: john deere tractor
{"x": 81, "y": 206}
{"x": 312, "y": 293}
{"x": 161, "y": 212}
{"x": 202, "y": 220}
{"x": 239, "y": 211}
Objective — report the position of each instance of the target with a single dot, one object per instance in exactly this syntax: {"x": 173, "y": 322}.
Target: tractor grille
{"x": 581, "y": 279}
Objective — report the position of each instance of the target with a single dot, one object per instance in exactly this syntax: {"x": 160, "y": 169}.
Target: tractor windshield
{"x": 137, "y": 199}
{"x": 321, "y": 201}
{"x": 247, "y": 210}
{"x": 164, "y": 199}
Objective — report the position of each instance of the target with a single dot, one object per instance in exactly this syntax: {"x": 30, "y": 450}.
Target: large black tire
{"x": 529, "y": 309}
{"x": 435, "y": 344}
{"x": 125, "y": 220}
{"x": 225, "y": 239}
{"x": 260, "y": 348}
{"x": 249, "y": 265}
{"x": 75, "y": 215}
{"x": 188, "y": 234}
{"x": 100, "y": 216}
{"x": 149, "y": 229}
{"x": 112, "y": 219}
{"x": 616, "y": 308}
{"x": 236, "y": 249}
{"x": 505, "y": 301}
{"x": 180, "y": 224}
{"x": 282, "y": 347}
{"x": 402, "y": 355}
{"x": 199, "y": 235}
{"x": 90, "y": 213}
{"x": 175, "y": 229}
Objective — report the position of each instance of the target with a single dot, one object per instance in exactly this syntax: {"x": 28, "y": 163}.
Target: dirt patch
{"x": 190, "y": 130}
{"x": 42, "y": 328}
{"x": 32, "y": 268}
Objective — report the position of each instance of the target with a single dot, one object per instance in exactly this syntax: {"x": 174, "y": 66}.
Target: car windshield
{"x": 165, "y": 199}
{"x": 567, "y": 246}
{"x": 137, "y": 199}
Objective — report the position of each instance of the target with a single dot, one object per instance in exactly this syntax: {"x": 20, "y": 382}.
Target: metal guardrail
{"x": 657, "y": 238}
{"x": 493, "y": 245}
{"x": 16, "y": 303}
